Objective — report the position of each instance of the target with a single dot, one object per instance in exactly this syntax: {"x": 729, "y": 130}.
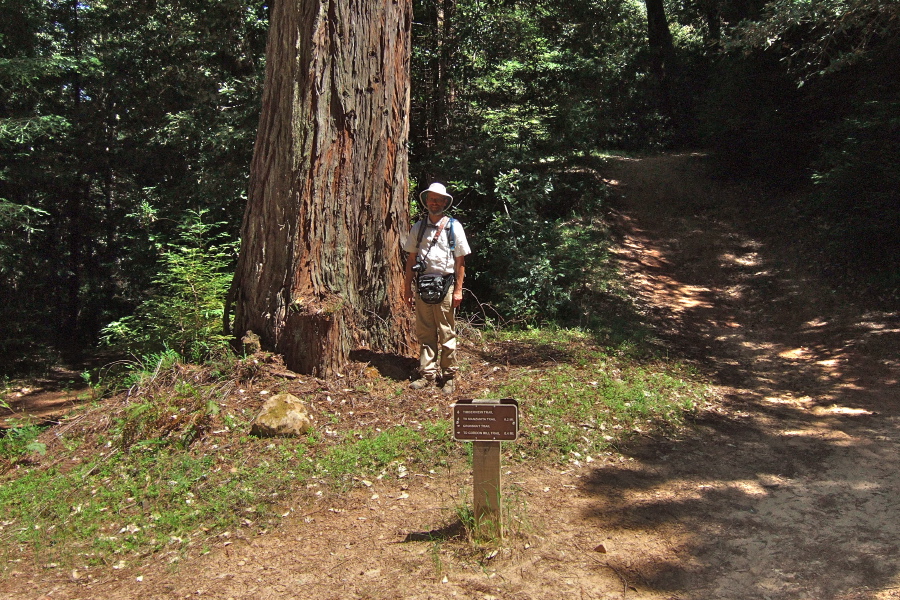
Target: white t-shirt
{"x": 438, "y": 261}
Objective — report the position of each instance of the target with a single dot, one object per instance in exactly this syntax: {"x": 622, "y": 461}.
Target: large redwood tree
{"x": 320, "y": 267}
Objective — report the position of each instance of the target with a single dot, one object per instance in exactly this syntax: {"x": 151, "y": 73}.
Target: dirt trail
{"x": 791, "y": 492}
{"x": 45, "y": 399}
{"x": 788, "y": 490}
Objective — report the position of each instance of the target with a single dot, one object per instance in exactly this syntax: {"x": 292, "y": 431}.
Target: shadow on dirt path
{"x": 44, "y": 399}
{"x": 790, "y": 491}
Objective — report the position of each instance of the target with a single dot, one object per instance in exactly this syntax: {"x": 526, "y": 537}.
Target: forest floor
{"x": 785, "y": 488}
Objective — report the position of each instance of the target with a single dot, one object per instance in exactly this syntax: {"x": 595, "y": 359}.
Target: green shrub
{"x": 542, "y": 246}
{"x": 856, "y": 197}
{"x": 184, "y": 311}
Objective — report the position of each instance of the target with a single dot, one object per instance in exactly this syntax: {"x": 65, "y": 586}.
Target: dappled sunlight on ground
{"x": 788, "y": 491}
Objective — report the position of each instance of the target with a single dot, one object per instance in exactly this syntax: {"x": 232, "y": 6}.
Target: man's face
{"x": 435, "y": 203}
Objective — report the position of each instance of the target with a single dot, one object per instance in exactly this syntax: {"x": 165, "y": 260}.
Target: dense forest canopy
{"x": 118, "y": 118}
{"x": 126, "y": 132}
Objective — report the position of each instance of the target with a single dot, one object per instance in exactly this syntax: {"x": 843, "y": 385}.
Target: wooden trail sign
{"x": 486, "y": 423}
{"x": 486, "y": 420}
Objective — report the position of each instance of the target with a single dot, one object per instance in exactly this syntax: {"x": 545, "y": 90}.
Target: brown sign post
{"x": 486, "y": 423}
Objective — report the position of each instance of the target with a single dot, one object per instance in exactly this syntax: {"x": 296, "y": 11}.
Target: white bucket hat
{"x": 439, "y": 189}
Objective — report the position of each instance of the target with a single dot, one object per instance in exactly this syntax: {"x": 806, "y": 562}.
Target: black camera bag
{"x": 433, "y": 288}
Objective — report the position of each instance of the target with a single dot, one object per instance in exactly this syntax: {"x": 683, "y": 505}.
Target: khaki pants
{"x": 436, "y": 330}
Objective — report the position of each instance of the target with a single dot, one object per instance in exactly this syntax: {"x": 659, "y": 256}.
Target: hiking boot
{"x": 420, "y": 384}
{"x": 449, "y": 386}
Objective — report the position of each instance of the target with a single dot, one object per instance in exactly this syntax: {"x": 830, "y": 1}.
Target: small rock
{"x": 282, "y": 414}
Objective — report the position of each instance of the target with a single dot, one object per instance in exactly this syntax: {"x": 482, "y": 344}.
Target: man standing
{"x": 437, "y": 250}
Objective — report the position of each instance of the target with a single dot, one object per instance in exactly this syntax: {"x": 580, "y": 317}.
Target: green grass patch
{"x": 153, "y": 494}
{"x": 581, "y": 399}
{"x": 152, "y": 499}
{"x": 165, "y": 470}
{"x": 373, "y": 453}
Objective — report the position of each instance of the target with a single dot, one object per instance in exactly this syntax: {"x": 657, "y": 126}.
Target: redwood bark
{"x": 320, "y": 268}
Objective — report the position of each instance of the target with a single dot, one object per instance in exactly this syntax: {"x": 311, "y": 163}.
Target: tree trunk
{"x": 75, "y": 221}
{"x": 659, "y": 37}
{"x": 434, "y": 90}
{"x": 713, "y": 20}
{"x": 320, "y": 269}
{"x": 444, "y": 88}
{"x": 662, "y": 50}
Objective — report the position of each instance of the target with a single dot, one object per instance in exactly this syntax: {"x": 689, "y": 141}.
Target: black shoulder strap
{"x": 421, "y": 225}
{"x": 451, "y": 236}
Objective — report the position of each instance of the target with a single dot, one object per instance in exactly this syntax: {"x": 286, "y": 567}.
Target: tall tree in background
{"x": 662, "y": 51}
{"x": 320, "y": 271}
{"x": 437, "y": 47}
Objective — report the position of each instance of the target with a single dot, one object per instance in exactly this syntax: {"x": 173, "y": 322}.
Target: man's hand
{"x": 408, "y": 296}
{"x": 460, "y": 272}
{"x": 457, "y": 297}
